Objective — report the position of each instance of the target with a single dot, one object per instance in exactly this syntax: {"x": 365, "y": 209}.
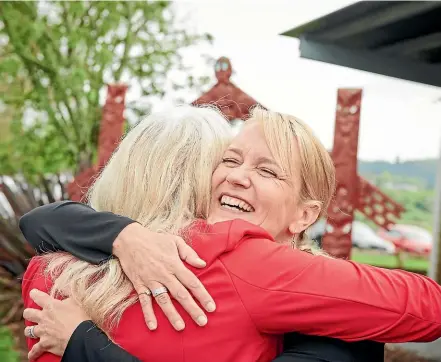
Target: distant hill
{"x": 422, "y": 172}
{"x": 410, "y": 183}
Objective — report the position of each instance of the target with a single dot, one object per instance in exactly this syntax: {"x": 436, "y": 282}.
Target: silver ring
{"x": 147, "y": 292}
{"x": 159, "y": 291}
{"x": 31, "y": 332}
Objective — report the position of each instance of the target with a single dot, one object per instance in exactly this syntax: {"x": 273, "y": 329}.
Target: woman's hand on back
{"x": 55, "y": 323}
{"x": 153, "y": 260}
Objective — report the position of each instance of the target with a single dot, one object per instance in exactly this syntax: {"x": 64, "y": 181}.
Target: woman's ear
{"x": 309, "y": 213}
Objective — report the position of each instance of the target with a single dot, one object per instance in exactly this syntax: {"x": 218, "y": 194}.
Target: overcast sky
{"x": 399, "y": 118}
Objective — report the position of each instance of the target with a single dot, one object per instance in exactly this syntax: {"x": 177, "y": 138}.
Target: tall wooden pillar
{"x": 112, "y": 123}
{"x": 337, "y": 238}
{"x": 111, "y": 131}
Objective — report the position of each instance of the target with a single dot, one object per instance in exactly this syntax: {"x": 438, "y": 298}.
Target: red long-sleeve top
{"x": 264, "y": 289}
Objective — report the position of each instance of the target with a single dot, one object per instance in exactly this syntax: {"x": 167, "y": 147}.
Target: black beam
{"x": 412, "y": 46}
{"x": 340, "y": 16}
{"x": 380, "y": 18}
{"x": 370, "y": 61}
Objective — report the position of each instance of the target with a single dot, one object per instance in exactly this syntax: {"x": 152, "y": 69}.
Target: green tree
{"x": 5, "y": 120}
{"x": 6, "y": 112}
{"x": 56, "y": 57}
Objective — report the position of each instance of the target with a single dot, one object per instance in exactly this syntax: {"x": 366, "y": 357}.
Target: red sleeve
{"x": 34, "y": 278}
{"x": 288, "y": 290}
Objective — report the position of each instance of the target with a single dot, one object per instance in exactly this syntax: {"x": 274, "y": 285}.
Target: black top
{"x": 89, "y": 235}
{"x": 73, "y": 227}
{"x": 89, "y": 344}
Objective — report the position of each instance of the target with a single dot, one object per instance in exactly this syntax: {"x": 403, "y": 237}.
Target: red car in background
{"x": 409, "y": 238}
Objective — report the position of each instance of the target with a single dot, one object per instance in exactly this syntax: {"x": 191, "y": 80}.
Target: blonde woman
{"x": 275, "y": 174}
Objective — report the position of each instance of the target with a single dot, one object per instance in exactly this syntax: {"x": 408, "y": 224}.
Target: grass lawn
{"x": 389, "y": 261}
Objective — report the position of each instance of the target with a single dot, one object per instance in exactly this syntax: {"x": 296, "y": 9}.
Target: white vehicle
{"x": 363, "y": 236}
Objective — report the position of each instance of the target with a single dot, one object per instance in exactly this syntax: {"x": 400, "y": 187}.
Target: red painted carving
{"x": 337, "y": 239}
{"x": 377, "y": 206}
{"x": 81, "y": 183}
{"x": 111, "y": 131}
{"x": 112, "y": 124}
{"x": 233, "y": 102}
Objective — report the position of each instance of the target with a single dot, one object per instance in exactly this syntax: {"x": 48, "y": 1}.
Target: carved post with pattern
{"x": 337, "y": 238}
{"x": 112, "y": 123}
{"x": 111, "y": 131}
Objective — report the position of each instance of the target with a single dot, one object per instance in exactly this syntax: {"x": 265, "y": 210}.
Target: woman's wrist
{"x": 127, "y": 235}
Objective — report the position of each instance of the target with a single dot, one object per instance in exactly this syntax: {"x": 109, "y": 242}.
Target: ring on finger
{"x": 31, "y": 333}
{"x": 159, "y": 291}
{"x": 147, "y": 292}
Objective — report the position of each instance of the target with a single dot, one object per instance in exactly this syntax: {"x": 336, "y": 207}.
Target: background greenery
{"x": 7, "y": 354}
{"x": 411, "y": 183}
{"x": 55, "y": 61}
{"x": 389, "y": 261}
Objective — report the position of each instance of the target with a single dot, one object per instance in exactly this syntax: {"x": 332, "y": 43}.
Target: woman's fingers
{"x": 189, "y": 280}
{"x": 184, "y": 298}
{"x": 41, "y": 298}
{"x": 192, "y": 283}
{"x": 165, "y": 303}
{"x": 35, "y": 332}
{"x": 32, "y": 315}
{"x": 158, "y": 262}
{"x": 187, "y": 254}
{"x": 145, "y": 300}
{"x": 36, "y": 351}
{"x": 147, "y": 308}
{"x": 56, "y": 323}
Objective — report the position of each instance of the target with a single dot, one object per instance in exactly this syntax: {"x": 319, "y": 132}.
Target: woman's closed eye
{"x": 267, "y": 172}
{"x": 231, "y": 162}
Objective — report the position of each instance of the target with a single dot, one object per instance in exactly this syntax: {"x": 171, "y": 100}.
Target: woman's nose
{"x": 239, "y": 176}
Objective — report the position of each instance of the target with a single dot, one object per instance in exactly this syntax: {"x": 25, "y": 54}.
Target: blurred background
{"x": 57, "y": 60}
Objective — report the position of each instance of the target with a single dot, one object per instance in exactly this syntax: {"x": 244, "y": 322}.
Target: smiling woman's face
{"x": 250, "y": 185}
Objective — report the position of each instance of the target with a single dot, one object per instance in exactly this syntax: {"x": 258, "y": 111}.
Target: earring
{"x": 295, "y": 238}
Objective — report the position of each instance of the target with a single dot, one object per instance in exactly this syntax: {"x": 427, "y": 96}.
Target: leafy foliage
{"x": 56, "y": 57}
{"x": 7, "y": 354}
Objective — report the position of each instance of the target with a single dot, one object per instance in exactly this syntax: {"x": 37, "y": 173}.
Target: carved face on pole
{"x": 223, "y": 69}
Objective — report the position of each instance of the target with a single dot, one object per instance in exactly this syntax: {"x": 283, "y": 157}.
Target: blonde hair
{"x": 317, "y": 171}
{"x": 160, "y": 176}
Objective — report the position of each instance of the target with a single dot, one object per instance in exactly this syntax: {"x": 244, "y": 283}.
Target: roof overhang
{"x": 400, "y": 39}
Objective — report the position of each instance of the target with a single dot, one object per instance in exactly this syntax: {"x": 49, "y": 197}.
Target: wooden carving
{"x": 337, "y": 238}
{"x": 376, "y": 205}
{"x": 111, "y": 131}
{"x": 232, "y": 101}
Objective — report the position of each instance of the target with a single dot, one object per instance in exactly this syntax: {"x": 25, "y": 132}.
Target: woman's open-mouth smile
{"x": 235, "y": 204}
